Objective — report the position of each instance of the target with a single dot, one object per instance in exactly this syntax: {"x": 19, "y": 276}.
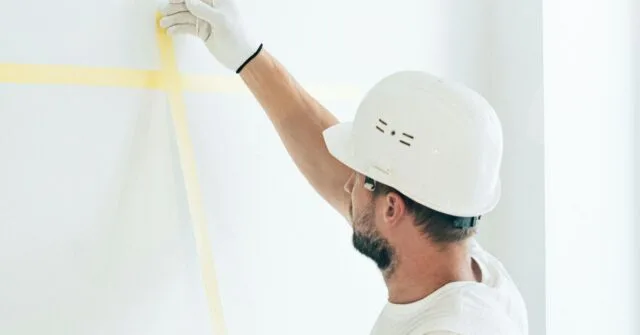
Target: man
{"x": 412, "y": 173}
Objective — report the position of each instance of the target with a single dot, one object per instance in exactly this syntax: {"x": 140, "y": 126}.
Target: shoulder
{"x": 494, "y": 272}
{"x": 501, "y": 292}
{"x": 493, "y": 306}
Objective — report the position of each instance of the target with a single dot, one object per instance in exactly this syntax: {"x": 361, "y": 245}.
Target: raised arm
{"x": 299, "y": 120}
{"x": 297, "y": 117}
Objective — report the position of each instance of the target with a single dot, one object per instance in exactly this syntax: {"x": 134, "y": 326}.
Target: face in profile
{"x": 366, "y": 238}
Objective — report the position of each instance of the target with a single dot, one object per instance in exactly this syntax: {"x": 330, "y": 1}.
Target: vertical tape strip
{"x": 172, "y": 82}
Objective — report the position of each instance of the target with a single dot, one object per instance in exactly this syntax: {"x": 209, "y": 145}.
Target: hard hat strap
{"x": 369, "y": 183}
{"x": 466, "y": 222}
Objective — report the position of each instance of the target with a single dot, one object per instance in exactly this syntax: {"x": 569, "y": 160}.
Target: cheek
{"x": 360, "y": 208}
{"x": 356, "y": 206}
{"x": 362, "y": 215}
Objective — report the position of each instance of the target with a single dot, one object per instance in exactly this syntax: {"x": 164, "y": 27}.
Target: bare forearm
{"x": 299, "y": 120}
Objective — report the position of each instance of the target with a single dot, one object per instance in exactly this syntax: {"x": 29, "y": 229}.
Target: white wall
{"x": 591, "y": 261}
{"x": 515, "y": 230}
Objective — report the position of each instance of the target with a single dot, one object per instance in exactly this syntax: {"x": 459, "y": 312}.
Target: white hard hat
{"x": 437, "y": 142}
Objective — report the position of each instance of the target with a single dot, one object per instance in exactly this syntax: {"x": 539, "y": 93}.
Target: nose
{"x": 348, "y": 186}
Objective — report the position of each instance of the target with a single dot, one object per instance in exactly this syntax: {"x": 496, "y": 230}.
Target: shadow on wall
{"x": 515, "y": 230}
{"x": 469, "y": 46}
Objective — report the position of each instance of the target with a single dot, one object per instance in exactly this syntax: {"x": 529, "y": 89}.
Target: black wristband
{"x": 249, "y": 59}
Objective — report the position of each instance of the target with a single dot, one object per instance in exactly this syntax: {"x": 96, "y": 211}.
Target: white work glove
{"x": 218, "y": 24}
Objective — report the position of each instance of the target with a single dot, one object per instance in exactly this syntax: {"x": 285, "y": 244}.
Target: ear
{"x": 394, "y": 208}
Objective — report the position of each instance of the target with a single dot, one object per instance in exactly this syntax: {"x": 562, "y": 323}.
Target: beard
{"x": 370, "y": 242}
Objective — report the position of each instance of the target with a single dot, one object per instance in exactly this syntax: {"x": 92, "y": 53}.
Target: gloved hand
{"x": 218, "y": 24}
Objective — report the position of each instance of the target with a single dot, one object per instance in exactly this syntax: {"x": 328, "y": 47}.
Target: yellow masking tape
{"x": 171, "y": 80}
{"x": 78, "y": 75}
{"x": 114, "y": 77}
{"x": 145, "y": 79}
{"x": 204, "y": 84}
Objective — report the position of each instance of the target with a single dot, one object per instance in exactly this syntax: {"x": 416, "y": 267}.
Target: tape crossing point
{"x": 51, "y": 74}
{"x": 171, "y": 80}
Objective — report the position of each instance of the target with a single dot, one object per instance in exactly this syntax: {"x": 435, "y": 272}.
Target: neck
{"x": 418, "y": 273}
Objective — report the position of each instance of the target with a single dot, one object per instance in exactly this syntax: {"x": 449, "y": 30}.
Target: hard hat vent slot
{"x": 382, "y": 124}
{"x": 407, "y": 139}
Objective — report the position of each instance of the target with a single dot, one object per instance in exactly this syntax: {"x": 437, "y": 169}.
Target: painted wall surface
{"x": 592, "y": 277}
{"x": 515, "y": 230}
{"x": 94, "y": 229}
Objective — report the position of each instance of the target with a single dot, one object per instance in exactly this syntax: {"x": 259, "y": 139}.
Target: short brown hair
{"x": 441, "y": 228}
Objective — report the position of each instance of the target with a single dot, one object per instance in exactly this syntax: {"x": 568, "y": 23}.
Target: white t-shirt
{"x": 493, "y": 307}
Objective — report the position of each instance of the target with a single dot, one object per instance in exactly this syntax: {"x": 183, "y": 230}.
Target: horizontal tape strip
{"x": 79, "y": 75}
{"x": 144, "y": 79}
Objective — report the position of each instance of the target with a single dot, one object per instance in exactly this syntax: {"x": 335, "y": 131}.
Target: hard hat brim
{"x": 338, "y": 141}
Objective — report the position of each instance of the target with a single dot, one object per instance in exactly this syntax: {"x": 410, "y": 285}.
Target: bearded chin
{"x": 375, "y": 248}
